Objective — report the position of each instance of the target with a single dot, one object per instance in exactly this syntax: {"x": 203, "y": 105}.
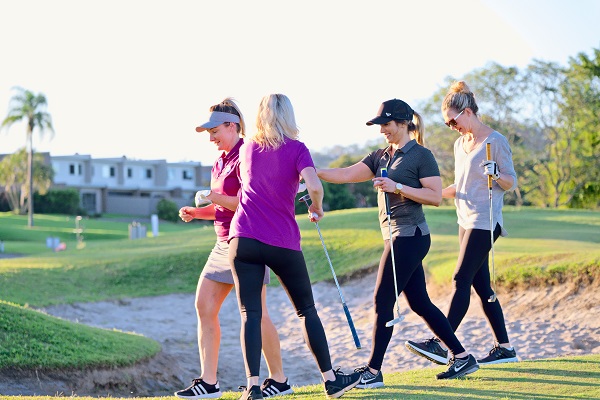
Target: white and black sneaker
{"x": 459, "y": 367}
{"x": 368, "y": 380}
{"x": 499, "y": 355}
{"x": 431, "y": 349}
{"x": 200, "y": 390}
{"x": 342, "y": 383}
{"x": 272, "y": 388}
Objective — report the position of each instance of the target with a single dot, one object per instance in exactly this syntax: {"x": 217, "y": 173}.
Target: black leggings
{"x": 472, "y": 270}
{"x": 248, "y": 258}
{"x": 409, "y": 253}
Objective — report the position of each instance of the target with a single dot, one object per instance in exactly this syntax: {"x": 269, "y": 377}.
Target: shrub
{"x": 58, "y": 201}
{"x": 167, "y": 210}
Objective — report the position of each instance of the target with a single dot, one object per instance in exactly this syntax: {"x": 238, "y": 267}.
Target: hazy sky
{"x": 134, "y": 78}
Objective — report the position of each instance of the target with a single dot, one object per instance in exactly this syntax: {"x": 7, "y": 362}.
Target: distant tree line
{"x": 550, "y": 114}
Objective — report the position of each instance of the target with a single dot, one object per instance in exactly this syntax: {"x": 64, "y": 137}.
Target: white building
{"x": 124, "y": 186}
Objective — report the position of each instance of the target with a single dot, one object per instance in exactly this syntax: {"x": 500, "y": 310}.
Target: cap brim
{"x": 379, "y": 121}
{"x": 208, "y": 125}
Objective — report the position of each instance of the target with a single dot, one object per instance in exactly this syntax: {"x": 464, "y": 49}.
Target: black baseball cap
{"x": 394, "y": 109}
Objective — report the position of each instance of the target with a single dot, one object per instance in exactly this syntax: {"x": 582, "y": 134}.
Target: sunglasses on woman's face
{"x": 452, "y": 122}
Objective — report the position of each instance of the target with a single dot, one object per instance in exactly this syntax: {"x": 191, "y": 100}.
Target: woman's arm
{"x": 358, "y": 172}
{"x": 315, "y": 191}
{"x": 229, "y": 202}
{"x": 189, "y": 213}
{"x": 430, "y": 193}
{"x": 449, "y": 192}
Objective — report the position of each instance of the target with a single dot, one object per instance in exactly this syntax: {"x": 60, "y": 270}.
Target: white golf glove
{"x": 201, "y": 199}
{"x": 301, "y": 187}
{"x": 490, "y": 168}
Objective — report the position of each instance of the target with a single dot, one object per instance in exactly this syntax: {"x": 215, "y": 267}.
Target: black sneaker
{"x": 342, "y": 383}
{"x": 272, "y": 388}
{"x": 200, "y": 390}
{"x": 367, "y": 379}
{"x": 251, "y": 394}
{"x": 459, "y": 368}
{"x": 499, "y": 355}
{"x": 431, "y": 349}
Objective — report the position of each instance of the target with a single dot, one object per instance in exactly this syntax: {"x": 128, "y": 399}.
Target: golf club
{"x": 306, "y": 199}
{"x": 488, "y": 151}
{"x": 389, "y": 213}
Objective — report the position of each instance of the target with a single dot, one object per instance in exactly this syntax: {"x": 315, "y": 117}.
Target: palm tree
{"x": 25, "y": 105}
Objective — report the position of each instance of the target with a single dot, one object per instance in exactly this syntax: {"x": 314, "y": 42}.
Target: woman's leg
{"x": 473, "y": 251}
{"x": 290, "y": 268}
{"x": 419, "y": 302}
{"x": 483, "y": 288}
{"x": 209, "y": 299}
{"x": 248, "y": 272}
{"x": 270, "y": 342}
{"x": 408, "y": 252}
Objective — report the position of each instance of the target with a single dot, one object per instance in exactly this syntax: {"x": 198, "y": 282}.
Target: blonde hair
{"x": 275, "y": 121}
{"x": 417, "y": 128}
{"x": 459, "y": 97}
{"x": 228, "y": 106}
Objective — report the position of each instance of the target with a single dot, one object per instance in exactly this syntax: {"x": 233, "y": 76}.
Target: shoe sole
{"x": 431, "y": 357}
{"x": 202, "y": 396}
{"x": 370, "y": 385}
{"x": 462, "y": 374}
{"x": 344, "y": 390}
{"x": 504, "y": 360}
{"x": 289, "y": 391}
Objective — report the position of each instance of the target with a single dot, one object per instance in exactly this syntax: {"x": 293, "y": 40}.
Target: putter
{"x": 389, "y": 213}
{"x": 305, "y": 199}
{"x": 493, "y": 297}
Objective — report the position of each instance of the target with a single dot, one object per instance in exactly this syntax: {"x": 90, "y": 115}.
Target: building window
{"x": 108, "y": 171}
{"x": 129, "y": 173}
{"x": 187, "y": 175}
{"x": 148, "y": 173}
{"x": 79, "y": 169}
{"x": 71, "y": 169}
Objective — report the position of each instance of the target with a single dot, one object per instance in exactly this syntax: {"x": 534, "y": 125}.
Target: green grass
{"x": 32, "y": 340}
{"x": 564, "y": 378}
{"x": 543, "y": 247}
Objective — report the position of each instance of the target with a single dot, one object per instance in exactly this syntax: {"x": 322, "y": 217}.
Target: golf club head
{"x": 492, "y": 298}
{"x": 395, "y": 321}
{"x": 305, "y": 199}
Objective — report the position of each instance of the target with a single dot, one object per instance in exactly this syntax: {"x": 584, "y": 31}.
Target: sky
{"x": 134, "y": 78}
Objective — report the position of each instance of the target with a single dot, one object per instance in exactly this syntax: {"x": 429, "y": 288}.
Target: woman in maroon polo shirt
{"x": 226, "y": 128}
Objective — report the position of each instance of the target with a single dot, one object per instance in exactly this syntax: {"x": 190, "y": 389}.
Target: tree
{"x": 581, "y": 92}
{"x": 13, "y": 176}
{"x": 25, "y": 105}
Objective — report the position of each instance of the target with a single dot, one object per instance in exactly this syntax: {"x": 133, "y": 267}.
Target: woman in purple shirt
{"x": 225, "y": 127}
{"x": 264, "y": 231}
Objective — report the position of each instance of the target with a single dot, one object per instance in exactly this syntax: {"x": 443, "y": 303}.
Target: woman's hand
{"x": 186, "y": 213}
{"x": 384, "y": 184}
{"x": 315, "y": 214}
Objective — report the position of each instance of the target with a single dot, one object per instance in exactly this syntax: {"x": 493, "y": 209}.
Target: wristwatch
{"x": 399, "y": 187}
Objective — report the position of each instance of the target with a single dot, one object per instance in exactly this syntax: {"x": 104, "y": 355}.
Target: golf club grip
{"x": 352, "y": 328}
{"x": 488, "y": 154}
{"x": 384, "y": 174}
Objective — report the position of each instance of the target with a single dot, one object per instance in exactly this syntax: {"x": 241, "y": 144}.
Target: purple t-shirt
{"x": 225, "y": 180}
{"x": 269, "y": 186}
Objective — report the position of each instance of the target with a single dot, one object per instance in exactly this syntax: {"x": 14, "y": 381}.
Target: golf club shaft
{"x": 389, "y": 216}
{"x": 488, "y": 153}
{"x": 346, "y": 311}
{"x": 305, "y": 199}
